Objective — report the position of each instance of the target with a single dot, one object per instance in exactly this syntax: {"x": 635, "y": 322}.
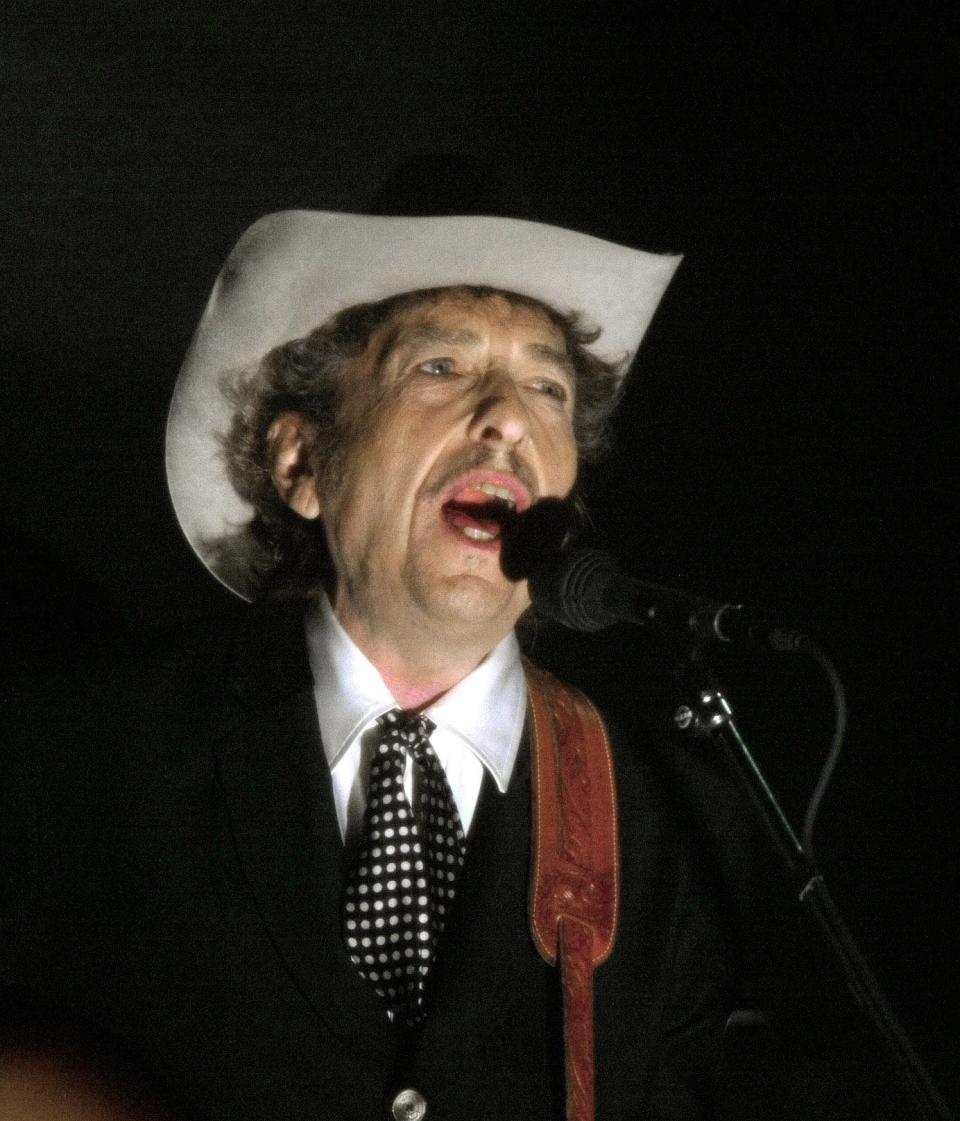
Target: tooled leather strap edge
{"x": 575, "y": 853}
{"x": 574, "y": 889}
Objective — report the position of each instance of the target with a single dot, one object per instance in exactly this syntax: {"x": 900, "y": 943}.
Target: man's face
{"x": 457, "y": 406}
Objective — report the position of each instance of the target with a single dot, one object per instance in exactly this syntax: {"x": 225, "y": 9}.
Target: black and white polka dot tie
{"x": 398, "y": 896}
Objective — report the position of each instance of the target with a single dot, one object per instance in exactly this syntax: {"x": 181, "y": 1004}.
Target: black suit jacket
{"x": 172, "y": 871}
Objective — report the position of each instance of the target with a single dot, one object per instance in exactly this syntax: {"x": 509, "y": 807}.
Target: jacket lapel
{"x": 280, "y": 803}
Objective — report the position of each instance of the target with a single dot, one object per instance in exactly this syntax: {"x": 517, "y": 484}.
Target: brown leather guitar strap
{"x": 575, "y": 878}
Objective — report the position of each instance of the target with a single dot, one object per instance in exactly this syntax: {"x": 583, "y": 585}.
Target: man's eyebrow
{"x": 431, "y": 334}
{"x": 422, "y": 334}
{"x": 549, "y": 354}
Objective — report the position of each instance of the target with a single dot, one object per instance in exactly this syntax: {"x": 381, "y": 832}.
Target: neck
{"x": 419, "y": 671}
{"x": 412, "y": 695}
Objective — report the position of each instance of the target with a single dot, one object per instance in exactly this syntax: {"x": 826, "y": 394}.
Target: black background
{"x": 788, "y": 437}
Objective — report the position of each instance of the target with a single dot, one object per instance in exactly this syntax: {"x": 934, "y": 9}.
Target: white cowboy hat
{"x": 292, "y": 270}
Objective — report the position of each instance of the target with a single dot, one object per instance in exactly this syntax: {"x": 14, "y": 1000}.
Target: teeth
{"x": 498, "y": 492}
{"x": 477, "y": 534}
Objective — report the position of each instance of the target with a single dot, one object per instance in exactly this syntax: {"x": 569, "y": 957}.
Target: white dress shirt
{"x": 479, "y": 722}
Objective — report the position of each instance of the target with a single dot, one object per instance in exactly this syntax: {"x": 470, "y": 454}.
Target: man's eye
{"x": 553, "y": 389}
{"x": 437, "y": 367}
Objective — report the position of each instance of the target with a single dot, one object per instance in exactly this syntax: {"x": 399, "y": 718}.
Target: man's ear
{"x": 288, "y": 440}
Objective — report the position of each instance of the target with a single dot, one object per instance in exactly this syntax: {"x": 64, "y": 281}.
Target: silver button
{"x": 409, "y": 1105}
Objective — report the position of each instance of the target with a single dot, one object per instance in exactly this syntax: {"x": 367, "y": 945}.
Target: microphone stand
{"x": 709, "y": 714}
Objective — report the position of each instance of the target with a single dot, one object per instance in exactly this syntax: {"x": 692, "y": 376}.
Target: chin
{"x": 477, "y": 602}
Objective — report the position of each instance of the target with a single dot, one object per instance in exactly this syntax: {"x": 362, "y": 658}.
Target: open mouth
{"x": 481, "y": 512}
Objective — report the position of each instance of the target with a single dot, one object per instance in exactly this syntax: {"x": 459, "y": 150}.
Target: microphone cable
{"x": 819, "y": 655}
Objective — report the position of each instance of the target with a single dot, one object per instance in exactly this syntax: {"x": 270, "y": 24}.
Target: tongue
{"x": 465, "y": 516}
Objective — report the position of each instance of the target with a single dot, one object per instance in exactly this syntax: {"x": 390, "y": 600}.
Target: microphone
{"x": 585, "y": 590}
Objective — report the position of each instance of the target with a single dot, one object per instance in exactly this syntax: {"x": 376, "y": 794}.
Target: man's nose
{"x": 499, "y": 416}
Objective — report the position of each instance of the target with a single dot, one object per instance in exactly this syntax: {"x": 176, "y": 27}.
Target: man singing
{"x": 288, "y": 873}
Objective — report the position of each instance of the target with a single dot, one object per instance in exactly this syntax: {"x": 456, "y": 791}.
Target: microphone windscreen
{"x": 572, "y": 591}
{"x": 533, "y": 541}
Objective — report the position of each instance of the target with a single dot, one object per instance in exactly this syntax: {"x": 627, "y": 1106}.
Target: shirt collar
{"x": 486, "y": 710}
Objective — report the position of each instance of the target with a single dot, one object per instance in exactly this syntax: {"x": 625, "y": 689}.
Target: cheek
{"x": 564, "y": 462}
{"x": 350, "y": 510}
{"x": 377, "y": 490}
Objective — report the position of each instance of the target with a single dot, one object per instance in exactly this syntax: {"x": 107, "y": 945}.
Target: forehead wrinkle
{"x": 432, "y": 333}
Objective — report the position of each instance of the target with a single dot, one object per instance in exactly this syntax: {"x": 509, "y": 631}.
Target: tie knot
{"x": 410, "y": 730}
